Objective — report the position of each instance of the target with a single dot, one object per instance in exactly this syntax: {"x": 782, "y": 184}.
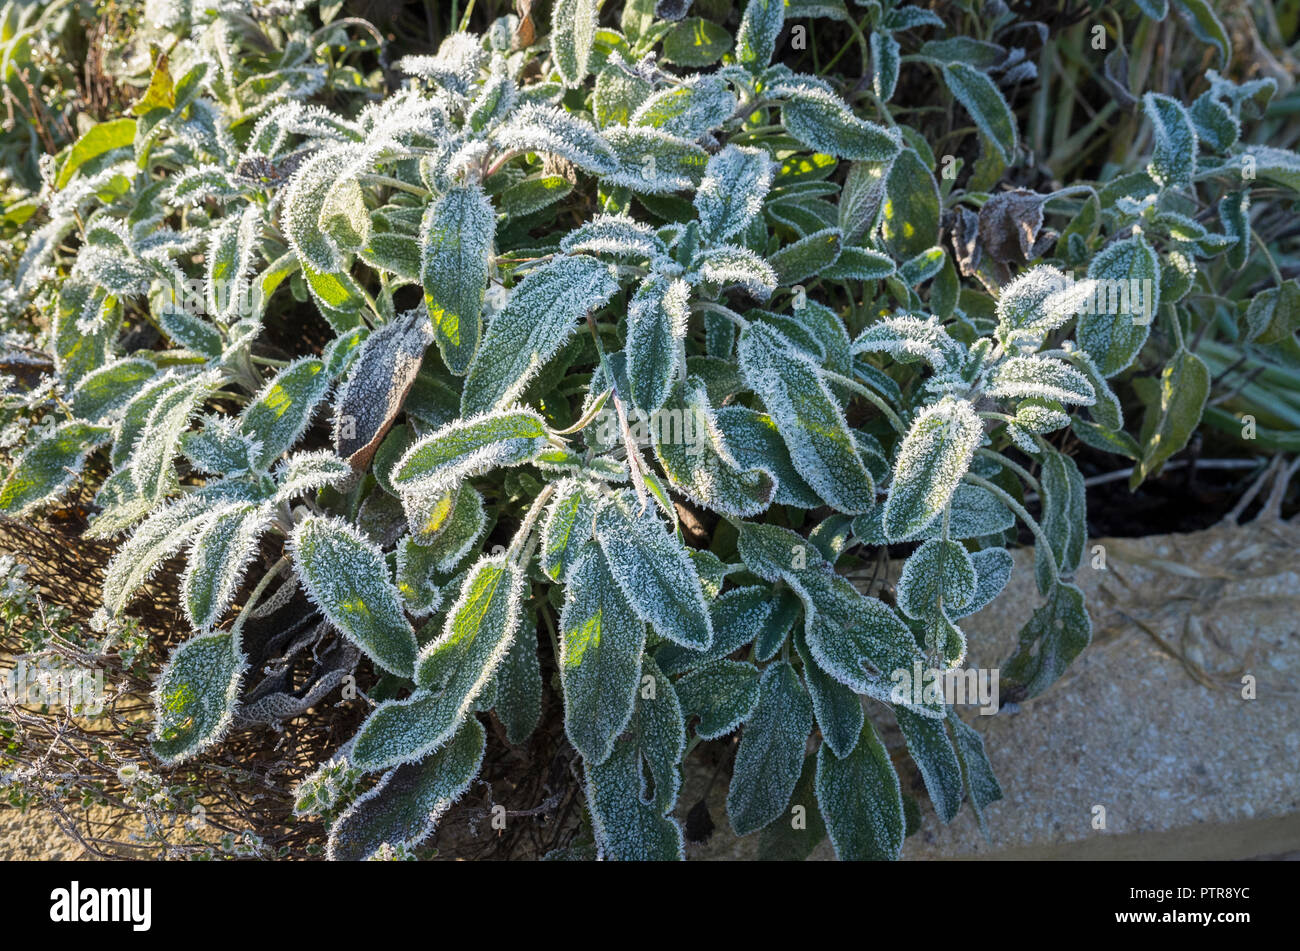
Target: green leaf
{"x": 1129, "y": 296}
{"x": 755, "y": 443}
{"x": 938, "y": 576}
{"x": 102, "y": 392}
{"x": 468, "y": 447}
{"x": 689, "y": 110}
{"x": 809, "y": 420}
{"x": 653, "y": 571}
{"x": 696, "y": 42}
{"x": 653, "y": 162}
{"x": 770, "y": 757}
{"x": 573, "y": 32}
{"x": 823, "y": 122}
{"x": 566, "y": 527}
{"x": 451, "y": 671}
{"x": 861, "y": 801}
{"x": 1200, "y": 17}
{"x": 601, "y": 641}
{"x": 1173, "y": 412}
{"x": 910, "y": 222}
{"x": 731, "y": 194}
{"x": 935, "y": 454}
{"x": 346, "y": 577}
{"x": 760, "y": 25}
{"x": 221, "y": 554}
{"x": 165, "y": 531}
{"x": 981, "y": 785}
{"x": 1056, "y": 634}
{"x": 929, "y": 746}
{"x": 49, "y": 466}
{"x": 1038, "y": 377}
{"x": 542, "y": 313}
{"x": 986, "y": 105}
{"x": 195, "y": 696}
{"x": 836, "y": 708}
{"x": 456, "y": 236}
{"x": 94, "y": 142}
{"x": 722, "y": 694}
{"x": 794, "y": 841}
{"x": 404, "y": 807}
{"x": 519, "y": 688}
{"x": 656, "y": 323}
{"x": 1174, "y": 159}
{"x": 1064, "y": 517}
{"x": 884, "y": 64}
{"x": 807, "y": 257}
{"x": 992, "y": 571}
{"x": 281, "y": 412}
{"x": 160, "y": 436}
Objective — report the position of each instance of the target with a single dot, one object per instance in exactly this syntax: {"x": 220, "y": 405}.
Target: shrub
{"x": 634, "y": 336}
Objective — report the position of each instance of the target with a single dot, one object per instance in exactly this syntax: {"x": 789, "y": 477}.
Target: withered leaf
{"x": 1011, "y": 227}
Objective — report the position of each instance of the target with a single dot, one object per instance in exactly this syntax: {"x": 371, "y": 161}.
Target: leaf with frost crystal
{"x": 861, "y": 801}
{"x": 573, "y": 31}
{"x": 824, "y": 123}
{"x": 755, "y": 443}
{"x": 165, "y": 531}
{"x": 1174, "y": 160}
{"x": 859, "y": 264}
{"x": 1114, "y": 329}
{"x": 654, "y": 571}
{"x": 191, "y": 332}
{"x": 616, "y": 235}
{"x": 601, "y": 640}
{"x": 347, "y": 578}
{"x": 416, "y": 564}
{"x": 1281, "y": 166}
{"x": 760, "y": 25}
{"x": 1064, "y": 518}
{"x": 972, "y": 513}
{"x": 1056, "y": 634}
{"x": 722, "y": 694}
{"x": 303, "y": 198}
{"x": 519, "y": 688}
{"x": 442, "y": 460}
{"x": 908, "y": 338}
{"x": 221, "y": 554}
{"x": 728, "y": 264}
{"x": 981, "y": 784}
{"x": 195, "y": 696}
{"x": 809, "y": 420}
{"x": 653, "y": 162}
{"x": 631, "y": 824}
{"x": 884, "y": 64}
{"x": 909, "y": 221}
{"x": 698, "y": 105}
{"x": 566, "y": 526}
{"x": 458, "y": 533}
{"x": 304, "y": 472}
{"x": 102, "y": 392}
{"x": 229, "y": 261}
{"x": 771, "y": 751}
{"x": 656, "y": 322}
{"x": 935, "y": 454}
{"x": 807, "y": 257}
{"x": 159, "y": 439}
{"x": 377, "y": 385}
{"x": 1029, "y": 307}
{"x": 404, "y": 807}
{"x": 836, "y": 708}
{"x": 730, "y": 196}
{"x": 451, "y": 672}
{"x": 456, "y": 237}
{"x": 281, "y": 412}
{"x": 1174, "y": 405}
{"x": 933, "y": 753}
{"x": 992, "y": 572}
{"x": 1039, "y": 377}
{"x": 937, "y": 576}
{"x": 542, "y": 313}
{"x": 698, "y": 462}
{"x": 737, "y": 615}
{"x": 986, "y": 105}
{"x": 49, "y": 466}
{"x": 537, "y": 128}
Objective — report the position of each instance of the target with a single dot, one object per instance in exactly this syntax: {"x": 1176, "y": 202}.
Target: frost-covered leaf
{"x": 730, "y": 196}
{"x": 771, "y": 751}
{"x": 542, "y": 313}
{"x": 981, "y": 785}
{"x": 1031, "y": 306}
{"x": 1064, "y": 517}
{"x": 1056, "y": 634}
{"x": 756, "y": 443}
{"x": 416, "y": 565}
{"x": 859, "y": 264}
{"x": 573, "y": 32}
{"x": 935, "y": 454}
{"x": 456, "y": 237}
{"x": 884, "y": 64}
{"x": 457, "y": 63}
{"x": 100, "y": 393}
{"x": 910, "y": 211}
{"x": 656, "y": 323}
{"x": 836, "y": 708}
{"x": 160, "y": 435}
{"x": 652, "y": 161}
{"x": 861, "y": 801}
{"x": 195, "y": 696}
{"x": 49, "y": 466}
{"x": 220, "y": 555}
{"x": 986, "y": 105}
{"x": 615, "y": 235}
{"x": 191, "y": 331}
{"x": 696, "y": 42}
{"x": 737, "y": 616}
{"x": 933, "y": 753}
{"x": 688, "y": 110}
{"x": 533, "y": 194}
{"x": 908, "y": 338}
{"x": 601, "y": 640}
{"x": 404, "y": 807}
{"x": 377, "y": 385}
{"x": 1038, "y": 377}
{"x": 468, "y": 447}
{"x": 653, "y": 571}
{"x": 992, "y": 572}
{"x": 938, "y": 576}
{"x": 722, "y": 694}
{"x": 1174, "y": 407}
{"x": 519, "y": 688}
{"x": 809, "y": 420}
{"x": 537, "y": 128}
{"x": 451, "y": 672}
{"x": 1128, "y": 273}
{"x": 229, "y": 261}
{"x": 807, "y": 257}
{"x": 281, "y": 412}
{"x": 346, "y": 577}
{"x": 303, "y": 472}
{"x": 1174, "y": 160}
{"x": 165, "y": 531}
{"x": 824, "y": 123}
{"x": 727, "y": 264}
{"x": 760, "y": 25}
{"x": 566, "y": 527}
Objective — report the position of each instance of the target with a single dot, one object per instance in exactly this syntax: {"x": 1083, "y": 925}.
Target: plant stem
{"x": 871, "y": 395}
{"x": 1006, "y": 499}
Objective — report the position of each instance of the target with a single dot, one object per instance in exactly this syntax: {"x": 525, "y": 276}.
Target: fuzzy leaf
{"x": 935, "y": 454}
{"x": 1056, "y": 634}
{"x": 807, "y": 257}
{"x": 538, "y": 128}
{"x": 823, "y": 122}
{"x": 731, "y": 194}
{"x": 1064, "y": 518}
{"x": 519, "y": 688}
{"x": 49, "y": 466}
{"x": 1174, "y": 159}
{"x": 346, "y": 577}
{"x": 986, "y": 105}
{"x": 722, "y": 694}
{"x": 652, "y": 161}
{"x": 1129, "y": 273}
{"x": 760, "y": 25}
{"x": 929, "y": 746}
{"x": 456, "y": 237}
{"x": 281, "y": 412}
{"x": 615, "y": 235}
{"x": 194, "y": 699}
{"x": 656, "y": 323}
{"x": 937, "y": 576}
{"x": 861, "y": 801}
{"x": 165, "y": 531}
{"x": 566, "y": 527}
{"x": 992, "y": 572}
{"x": 100, "y": 393}
{"x": 771, "y": 751}
{"x": 1041, "y": 378}
{"x": 218, "y": 559}
{"x": 1174, "y": 410}
{"x": 836, "y": 708}
{"x": 689, "y": 110}
{"x": 573, "y": 31}
{"x": 468, "y": 447}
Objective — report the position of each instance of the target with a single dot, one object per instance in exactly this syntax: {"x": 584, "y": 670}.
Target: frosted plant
{"x": 619, "y": 349}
